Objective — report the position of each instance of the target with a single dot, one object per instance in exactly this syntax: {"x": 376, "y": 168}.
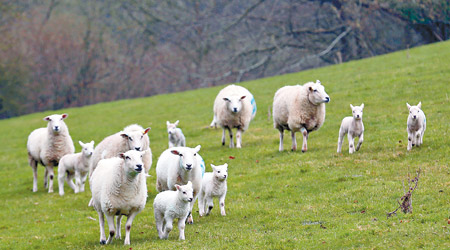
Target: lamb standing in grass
{"x": 75, "y": 165}
{"x": 179, "y": 165}
{"x": 170, "y": 205}
{"x": 234, "y": 107}
{"x": 176, "y": 136}
{"x": 132, "y": 137}
{"x": 416, "y": 125}
{"x": 213, "y": 185}
{"x": 299, "y": 108}
{"x": 118, "y": 188}
{"x": 47, "y": 146}
{"x": 354, "y": 127}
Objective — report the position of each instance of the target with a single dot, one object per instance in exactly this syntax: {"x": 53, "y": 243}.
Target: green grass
{"x": 275, "y": 200}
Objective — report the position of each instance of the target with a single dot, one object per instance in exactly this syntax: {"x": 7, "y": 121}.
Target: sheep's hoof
{"x": 103, "y": 242}
{"x": 303, "y": 150}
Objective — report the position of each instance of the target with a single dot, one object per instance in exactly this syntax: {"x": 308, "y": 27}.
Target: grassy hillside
{"x": 275, "y": 200}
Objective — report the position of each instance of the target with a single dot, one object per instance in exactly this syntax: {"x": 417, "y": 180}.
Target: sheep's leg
{"x": 294, "y": 141}
{"x": 410, "y": 143}
{"x": 351, "y": 143}
{"x": 110, "y": 220}
{"x": 209, "y": 204}
{"x": 280, "y": 148}
{"x": 101, "y": 221}
{"x": 159, "y": 219}
{"x": 201, "y": 204}
{"x": 238, "y": 138}
{"x": 222, "y": 205}
{"x": 51, "y": 176}
{"x": 418, "y": 134}
{"x": 69, "y": 178}
{"x": 340, "y": 141}
{"x": 360, "y": 141}
{"x": 33, "y": 165}
{"x": 223, "y": 137}
{"x": 128, "y": 227}
{"x": 77, "y": 182}
{"x": 61, "y": 176}
{"x": 45, "y": 177}
{"x": 168, "y": 226}
{"x": 181, "y": 226}
{"x": 305, "y": 139}
{"x": 118, "y": 222}
{"x": 83, "y": 181}
{"x": 230, "y": 131}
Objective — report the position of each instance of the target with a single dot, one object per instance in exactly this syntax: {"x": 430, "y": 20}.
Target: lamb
{"x": 214, "y": 184}
{"x": 234, "y": 107}
{"x": 132, "y": 137}
{"x": 176, "y": 136}
{"x": 170, "y": 205}
{"x": 47, "y": 146}
{"x": 352, "y": 126}
{"x": 118, "y": 188}
{"x": 299, "y": 108}
{"x": 75, "y": 165}
{"x": 178, "y": 165}
{"x": 416, "y": 125}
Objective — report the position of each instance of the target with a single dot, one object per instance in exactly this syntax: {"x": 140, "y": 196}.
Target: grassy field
{"x": 276, "y": 200}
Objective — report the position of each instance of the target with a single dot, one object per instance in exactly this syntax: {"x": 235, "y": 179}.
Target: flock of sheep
{"x": 120, "y": 163}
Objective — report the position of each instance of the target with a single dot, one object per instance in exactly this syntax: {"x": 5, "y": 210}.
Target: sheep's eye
{"x": 180, "y": 154}
{"x": 315, "y": 90}
{"x": 131, "y": 139}
{"x": 128, "y": 158}
{"x": 195, "y": 154}
{"x": 218, "y": 172}
{"x": 184, "y": 192}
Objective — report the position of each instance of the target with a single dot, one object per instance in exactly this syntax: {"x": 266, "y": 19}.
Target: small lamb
{"x": 47, "y": 146}
{"x": 176, "y": 136}
{"x": 119, "y": 188}
{"x": 170, "y": 205}
{"x": 416, "y": 125}
{"x": 354, "y": 127}
{"x": 214, "y": 184}
{"x": 75, "y": 165}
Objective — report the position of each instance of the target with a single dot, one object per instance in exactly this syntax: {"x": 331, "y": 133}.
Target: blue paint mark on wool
{"x": 254, "y": 105}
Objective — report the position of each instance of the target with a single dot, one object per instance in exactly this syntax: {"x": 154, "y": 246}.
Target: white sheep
{"x": 352, "y": 126}
{"x": 416, "y": 125}
{"x": 234, "y": 107}
{"x": 214, "y": 184}
{"x": 75, "y": 165}
{"x": 299, "y": 108}
{"x": 118, "y": 188}
{"x": 170, "y": 205}
{"x": 178, "y": 165}
{"x": 176, "y": 136}
{"x": 47, "y": 146}
{"x": 132, "y": 137}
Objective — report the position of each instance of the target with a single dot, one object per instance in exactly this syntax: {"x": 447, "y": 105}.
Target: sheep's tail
{"x": 91, "y": 203}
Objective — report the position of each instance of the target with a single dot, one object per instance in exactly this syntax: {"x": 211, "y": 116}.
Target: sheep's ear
{"x": 146, "y": 131}
{"x": 47, "y": 118}
{"x": 225, "y": 165}
{"x": 407, "y": 105}
{"x": 419, "y": 105}
{"x": 196, "y": 149}
{"x": 213, "y": 166}
{"x": 189, "y": 183}
{"x": 175, "y": 152}
{"x": 176, "y": 123}
{"x": 92, "y": 142}
{"x": 226, "y": 99}
{"x": 310, "y": 89}
{"x": 243, "y": 97}
{"x": 81, "y": 143}
{"x": 64, "y": 116}
{"x": 167, "y": 123}
{"x": 351, "y": 106}
{"x": 318, "y": 82}
{"x": 178, "y": 187}
{"x": 122, "y": 155}
{"x": 362, "y": 106}
{"x": 124, "y": 135}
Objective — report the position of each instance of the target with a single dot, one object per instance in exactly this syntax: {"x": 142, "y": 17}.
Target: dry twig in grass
{"x": 406, "y": 199}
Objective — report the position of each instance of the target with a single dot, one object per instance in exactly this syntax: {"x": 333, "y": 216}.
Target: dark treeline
{"x": 63, "y": 53}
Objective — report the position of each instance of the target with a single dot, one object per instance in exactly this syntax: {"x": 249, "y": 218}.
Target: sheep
{"x": 118, "y": 188}
{"x": 178, "y": 165}
{"x": 47, "y": 146}
{"x": 170, "y": 205}
{"x": 299, "y": 108}
{"x": 176, "y": 136}
{"x": 352, "y": 126}
{"x": 416, "y": 125}
{"x": 132, "y": 137}
{"x": 214, "y": 184}
{"x": 234, "y": 107}
{"x": 75, "y": 165}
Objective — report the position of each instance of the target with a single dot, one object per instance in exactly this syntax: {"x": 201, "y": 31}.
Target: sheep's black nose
{"x": 188, "y": 166}
{"x": 56, "y": 128}
{"x": 414, "y": 117}
{"x": 137, "y": 148}
{"x": 327, "y": 99}
{"x": 225, "y": 176}
{"x": 139, "y": 167}
{"x": 234, "y": 109}
{"x": 190, "y": 199}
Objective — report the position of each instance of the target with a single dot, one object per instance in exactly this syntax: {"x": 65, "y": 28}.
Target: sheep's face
{"x": 188, "y": 157}
{"x": 234, "y": 103}
{"x": 87, "y": 148}
{"x": 317, "y": 94}
{"x": 135, "y": 139}
{"x": 186, "y": 192}
{"x": 56, "y": 122}
{"x": 171, "y": 127}
{"x": 414, "y": 111}
{"x": 357, "y": 111}
{"x": 220, "y": 172}
{"x": 133, "y": 161}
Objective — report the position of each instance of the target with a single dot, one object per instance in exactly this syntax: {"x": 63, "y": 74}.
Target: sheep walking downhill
{"x": 416, "y": 125}
{"x": 352, "y": 126}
